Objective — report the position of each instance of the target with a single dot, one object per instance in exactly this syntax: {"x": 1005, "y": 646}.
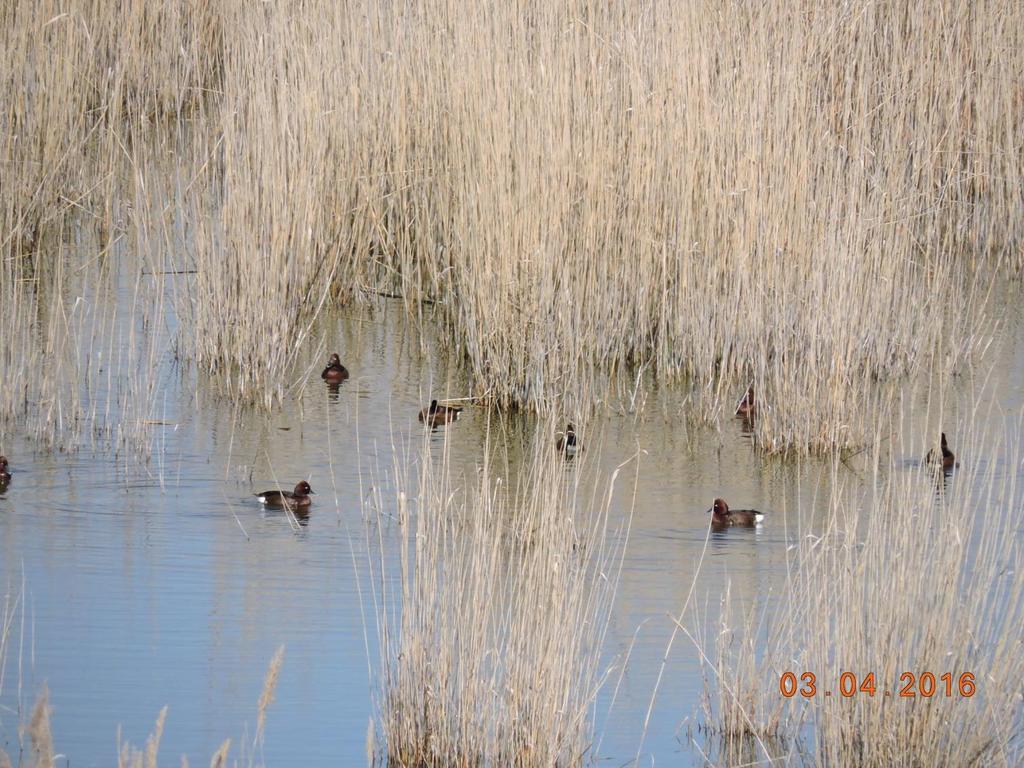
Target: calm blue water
{"x": 166, "y": 583}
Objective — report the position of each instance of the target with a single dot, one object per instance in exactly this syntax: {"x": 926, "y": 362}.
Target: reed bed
{"x": 268, "y": 217}
{"x": 492, "y": 617}
{"x": 82, "y": 83}
{"x": 742, "y": 725}
{"x": 917, "y": 574}
{"x": 81, "y": 80}
{"x": 811, "y": 197}
{"x": 84, "y": 358}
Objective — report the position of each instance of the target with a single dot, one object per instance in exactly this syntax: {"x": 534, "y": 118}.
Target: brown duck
{"x": 947, "y": 459}
{"x": 436, "y": 415}
{"x": 722, "y": 516}
{"x": 568, "y": 444}
{"x": 335, "y": 372}
{"x": 291, "y": 499}
{"x": 747, "y": 409}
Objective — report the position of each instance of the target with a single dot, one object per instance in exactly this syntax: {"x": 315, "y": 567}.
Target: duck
{"x": 722, "y": 516}
{"x": 747, "y": 408}
{"x": 5, "y": 475}
{"x": 948, "y": 460}
{"x": 335, "y": 372}
{"x": 299, "y": 497}
{"x": 435, "y": 415}
{"x": 567, "y": 443}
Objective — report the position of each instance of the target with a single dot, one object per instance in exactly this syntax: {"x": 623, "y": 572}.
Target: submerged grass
{"x": 921, "y": 575}
{"x": 491, "y": 636}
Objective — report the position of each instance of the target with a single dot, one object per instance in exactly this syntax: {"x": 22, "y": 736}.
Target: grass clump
{"x": 41, "y": 750}
{"x": 490, "y": 640}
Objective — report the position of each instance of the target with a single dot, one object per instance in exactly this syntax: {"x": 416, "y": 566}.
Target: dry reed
{"x": 734, "y": 194}
{"x": 267, "y": 696}
{"x": 81, "y": 84}
{"x": 811, "y": 197}
{"x": 82, "y": 361}
{"x": 742, "y": 719}
{"x": 129, "y": 757}
{"x": 39, "y": 733}
{"x": 41, "y": 737}
{"x": 919, "y": 574}
{"x": 491, "y": 635}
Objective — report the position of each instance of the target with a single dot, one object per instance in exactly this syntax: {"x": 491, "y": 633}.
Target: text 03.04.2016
{"x": 910, "y": 685}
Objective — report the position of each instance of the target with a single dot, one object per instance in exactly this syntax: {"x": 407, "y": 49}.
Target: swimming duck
{"x": 948, "y": 460}
{"x": 291, "y": 499}
{"x": 722, "y": 516}
{"x": 567, "y": 442}
{"x": 335, "y": 372}
{"x": 435, "y": 415}
{"x": 5, "y": 475}
{"x": 747, "y": 408}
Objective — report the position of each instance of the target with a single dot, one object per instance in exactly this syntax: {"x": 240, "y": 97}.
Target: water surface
{"x": 166, "y": 583}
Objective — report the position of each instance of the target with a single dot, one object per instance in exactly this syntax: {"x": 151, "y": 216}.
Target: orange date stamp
{"x": 910, "y": 686}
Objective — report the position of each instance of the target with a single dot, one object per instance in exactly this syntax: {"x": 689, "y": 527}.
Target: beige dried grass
{"x": 267, "y": 695}
{"x": 130, "y": 757}
{"x": 39, "y": 733}
{"x": 917, "y": 574}
{"x": 815, "y": 198}
{"x": 491, "y": 639}
{"x": 727, "y": 194}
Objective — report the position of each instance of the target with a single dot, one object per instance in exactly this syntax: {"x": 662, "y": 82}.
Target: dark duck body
{"x": 568, "y": 444}
{"x": 747, "y": 408}
{"x": 435, "y": 415}
{"x": 5, "y": 475}
{"x": 291, "y": 499}
{"x": 335, "y": 372}
{"x": 722, "y": 516}
{"x": 947, "y": 459}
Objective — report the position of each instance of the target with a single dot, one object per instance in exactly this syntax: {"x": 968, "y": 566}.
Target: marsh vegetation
{"x": 577, "y": 207}
{"x": 913, "y": 578}
{"x": 816, "y": 199}
{"x": 492, "y": 642}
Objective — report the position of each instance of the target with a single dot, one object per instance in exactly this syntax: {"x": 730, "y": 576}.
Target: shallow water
{"x": 168, "y": 584}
